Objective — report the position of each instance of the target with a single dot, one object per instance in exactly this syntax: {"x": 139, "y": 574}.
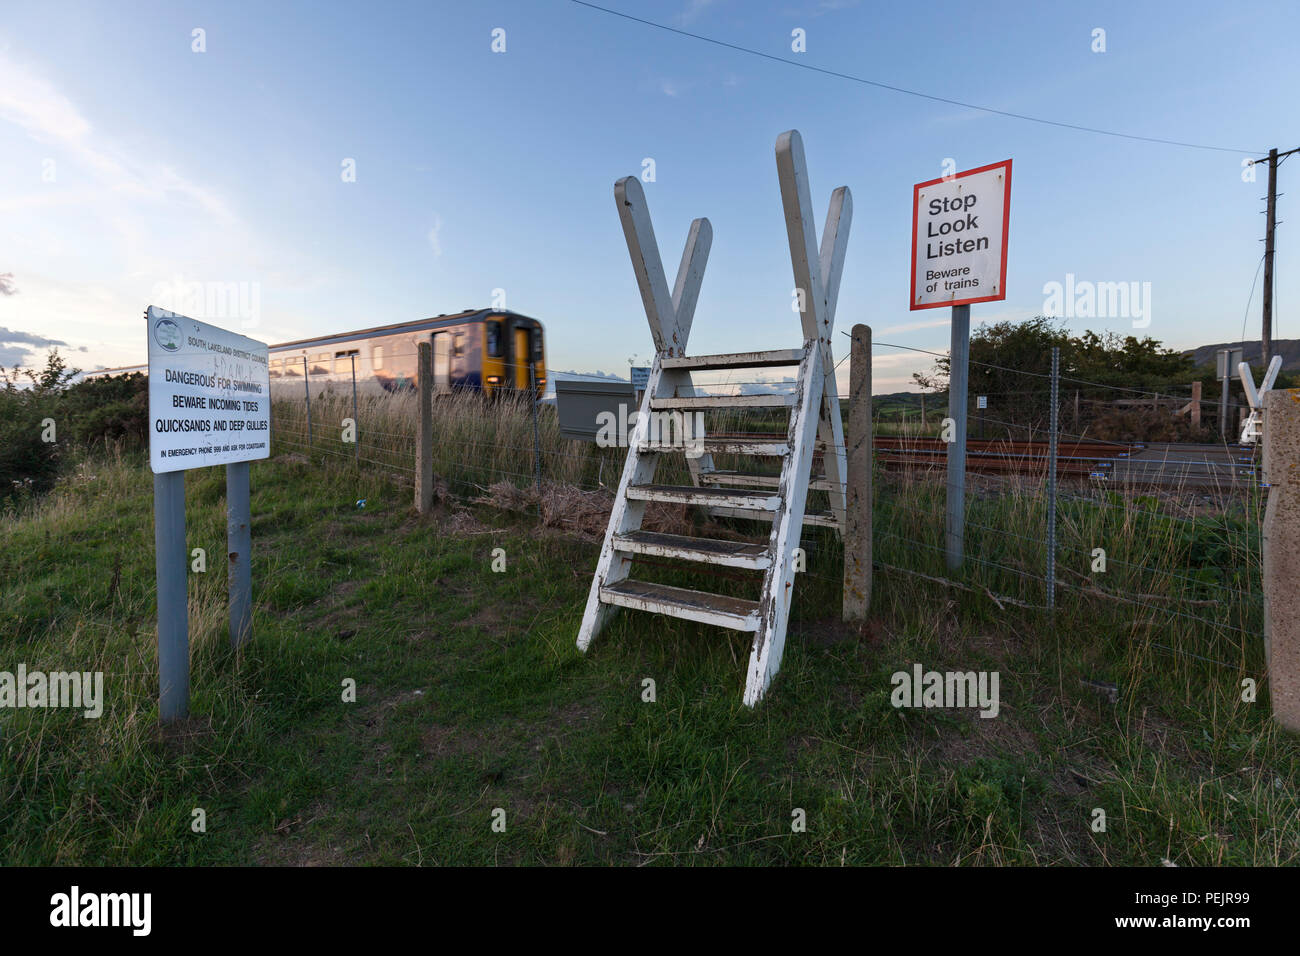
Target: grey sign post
{"x": 209, "y": 404}
{"x": 960, "y": 228}
{"x": 1228, "y": 360}
{"x": 173, "y": 608}
{"x": 958, "y": 368}
{"x": 239, "y": 551}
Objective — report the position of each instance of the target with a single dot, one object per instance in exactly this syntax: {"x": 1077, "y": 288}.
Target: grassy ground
{"x": 472, "y": 697}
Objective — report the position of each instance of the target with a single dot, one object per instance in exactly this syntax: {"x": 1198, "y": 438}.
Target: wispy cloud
{"x": 7, "y": 286}
{"x": 14, "y": 337}
{"x": 693, "y": 10}
{"x": 433, "y": 236}
{"x": 32, "y": 103}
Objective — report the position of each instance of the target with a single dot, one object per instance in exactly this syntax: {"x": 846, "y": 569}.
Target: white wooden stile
{"x": 1252, "y": 428}
{"x": 814, "y": 425}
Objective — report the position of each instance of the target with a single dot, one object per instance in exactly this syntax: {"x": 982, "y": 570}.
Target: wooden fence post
{"x": 1282, "y": 553}
{"x": 1196, "y": 404}
{"x": 857, "y": 523}
{"x": 424, "y": 437}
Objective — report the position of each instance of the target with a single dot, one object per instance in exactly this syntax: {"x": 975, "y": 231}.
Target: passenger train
{"x": 489, "y": 351}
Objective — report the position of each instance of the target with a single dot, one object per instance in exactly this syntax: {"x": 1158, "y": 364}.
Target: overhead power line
{"x": 900, "y": 89}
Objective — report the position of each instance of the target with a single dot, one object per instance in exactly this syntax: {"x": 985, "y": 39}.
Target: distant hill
{"x": 1289, "y": 349}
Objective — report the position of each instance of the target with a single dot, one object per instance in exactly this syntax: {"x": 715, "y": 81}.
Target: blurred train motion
{"x": 488, "y": 351}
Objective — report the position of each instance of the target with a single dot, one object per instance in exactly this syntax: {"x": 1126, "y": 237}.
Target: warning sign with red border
{"x": 959, "y": 237}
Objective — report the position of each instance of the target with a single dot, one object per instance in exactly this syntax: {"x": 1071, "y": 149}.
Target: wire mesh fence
{"x": 1157, "y": 545}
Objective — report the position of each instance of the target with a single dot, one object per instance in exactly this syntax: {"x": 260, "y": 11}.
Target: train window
{"x": 377, "y": 357}
{"x": 494, "y": 339}
{"x": 458, "y": 347}
{"x": 343, "y": 361}
{"x": 536, "y": 336}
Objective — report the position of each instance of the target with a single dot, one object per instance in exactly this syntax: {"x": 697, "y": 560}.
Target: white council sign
{"x": 209, "y": 394}
{"x": 959, "y": 237}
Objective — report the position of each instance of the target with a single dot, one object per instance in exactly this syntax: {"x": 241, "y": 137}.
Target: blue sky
{"x": 478, "y": 171}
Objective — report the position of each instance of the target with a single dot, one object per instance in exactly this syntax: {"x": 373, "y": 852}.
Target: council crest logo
{"x": 167, "y": 334}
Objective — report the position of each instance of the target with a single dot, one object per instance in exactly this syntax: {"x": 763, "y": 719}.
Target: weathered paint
{"x": 732, "y": 554}
{"x": 770, "y": 400}
{"x": 814, "y": 425}
{"x": 819, "y": 275}
{"x": 771, "y": 359}
{"x": 743, "y": 498}
{"x": 787, "y": 524}
{"x": 734, "y": 613}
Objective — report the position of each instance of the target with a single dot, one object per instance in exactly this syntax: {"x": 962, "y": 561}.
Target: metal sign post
{"x": 209, "y": 404}
{"x": 1228, "y": 359}
{"x": 173, "y": 609}
{"x": 960, "y": 227}
{"x": 959, "y": 363}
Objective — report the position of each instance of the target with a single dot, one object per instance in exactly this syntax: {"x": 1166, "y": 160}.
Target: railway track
{"x": 1130, "y": 464}
{"x": 1135, "y": 464}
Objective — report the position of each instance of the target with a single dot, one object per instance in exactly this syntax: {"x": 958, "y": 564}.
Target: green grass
{"x": 471, "y": 695}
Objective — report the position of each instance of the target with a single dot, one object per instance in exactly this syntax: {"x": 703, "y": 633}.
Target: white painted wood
{"x": 731, "y": 554}
{"x": 770, "y": 359}
{"x": 1251, "y": 428}
{"x": 726, "y": 446}
{"x": 738, "y": 479}
{"x": 693, "y": 402}
{"x": 625, "y": 515}
{"x": 818, "y": 273}
{"x": 734, "y": 613}
{"x": 670, "y": 316}
{"x": 814, "y": 424}
{"x": 706, "y": 497}
{"x": 822, "y": 519}
{"x": 778, "y": 582}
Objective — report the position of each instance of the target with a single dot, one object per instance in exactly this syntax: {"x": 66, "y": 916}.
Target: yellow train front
{"x": 492, "y": 352}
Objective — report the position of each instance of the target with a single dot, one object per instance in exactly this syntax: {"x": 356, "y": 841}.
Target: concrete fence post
{"x": 857, "y": 520}
{"x": 424, "y": 438}
{"x": 1282, "y": 553}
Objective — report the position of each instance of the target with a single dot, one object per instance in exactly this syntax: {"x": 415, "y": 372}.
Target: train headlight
{"x": 494, "y": 379}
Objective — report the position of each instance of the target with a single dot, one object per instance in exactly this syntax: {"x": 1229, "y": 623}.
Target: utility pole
{"x": 1270, "y": 214}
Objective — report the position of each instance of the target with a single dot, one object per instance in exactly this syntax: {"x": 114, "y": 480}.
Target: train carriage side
{"x": 492, "y": 352}
{"x": 513, "y": 345}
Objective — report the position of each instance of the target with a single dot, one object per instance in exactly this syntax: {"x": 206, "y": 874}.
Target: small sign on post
{"x": 640, "y": 376}
{"x": 209, "y": 404}
{"x": 960, "y": 227}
